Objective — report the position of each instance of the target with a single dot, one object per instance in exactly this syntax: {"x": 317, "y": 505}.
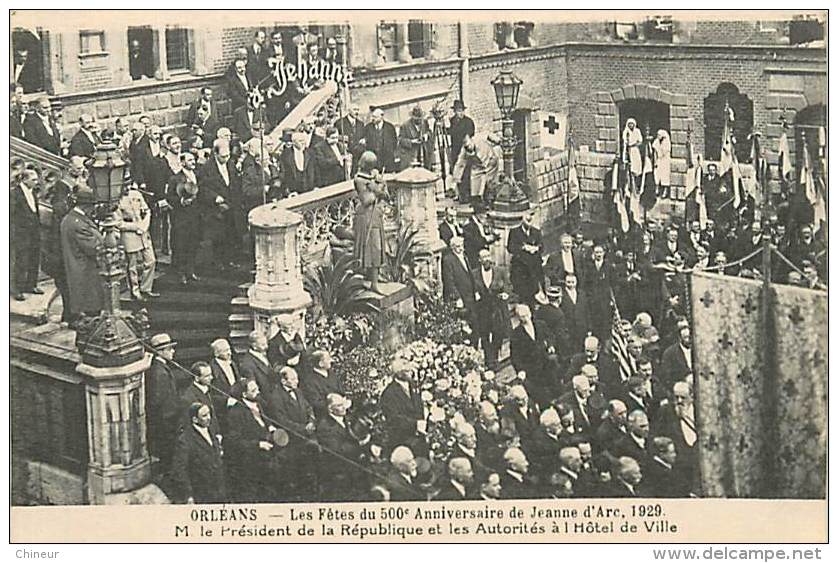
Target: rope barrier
{"x": 278, "y": 424}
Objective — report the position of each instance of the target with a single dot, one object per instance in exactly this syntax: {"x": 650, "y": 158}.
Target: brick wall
{"x": 481, "y": 38}
{"x": 232, "y": 38}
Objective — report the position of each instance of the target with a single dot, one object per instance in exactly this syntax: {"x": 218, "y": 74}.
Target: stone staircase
{"x": 193, "y": 315}
{"x": 240, "y": 320}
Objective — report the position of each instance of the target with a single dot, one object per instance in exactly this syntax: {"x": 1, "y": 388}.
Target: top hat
{"x": 458, "y": 104}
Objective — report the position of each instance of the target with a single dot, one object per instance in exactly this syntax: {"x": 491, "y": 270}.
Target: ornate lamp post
{"x": 114, "y": 363}
{"x": 111, "y": 340}
{"x": 510, "y": 197}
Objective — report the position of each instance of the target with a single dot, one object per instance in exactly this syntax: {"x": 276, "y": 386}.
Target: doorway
{"x": 28, "y": 57}
{"x": 650, "y": 115}
{"x": 141, "y": 58}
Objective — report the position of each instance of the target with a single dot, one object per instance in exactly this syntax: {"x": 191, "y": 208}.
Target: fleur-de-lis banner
{"x": 761, "y": 387}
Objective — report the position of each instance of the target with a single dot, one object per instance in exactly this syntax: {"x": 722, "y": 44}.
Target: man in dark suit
{"x": 401, "y": 477}
{"x": 530, "y": 350}
{"x": 676, "y": 361}
{"x": 414, "y": 141}
{"x": 669, "y": 247}
{"x": 627, "y": 479}
{"x": 206, "y": 100}
{"x": 329, "y": 159}
{"x": 461, "y": 127}
{"x": 25, "y": 236}
{"x": 457, "y": 283}
{"x": 525, "y": 269}
{"x": 449, "y": 228}
{"x": 298, "y": 165}
{"x": 244, "y": 119}
{"x": 205, "y": 125}
{"x": 491, "y": 319}
{"x": 340, "y": 480}
{"x": 587, "y": 417}
{"x": 200, "y": 391}
{"x": 516, "y": 482}
{"x": 251, "y": 460}
{"x": 351, "y": 128}
{"x": 459, "y": 482}
{"x": 662, "y": 479}
{"x": 637, "y": 443}
{"x": 162, "y": 401}
{"x": 317, "y": 383}
{"x": 61, "y": 192}
{"x": 80, "y": 238}
{"x": 198, "y": 468}
{"x": 598, "y": 277}
{"x": 549, "y": 312}
{"x": 518, "y": 417}
{"x": 677, "y": 421}
{"x": 476, "y": 235}
{"x": 225, "y": 373}
{"x": 257, "y": 59}
{"x": 613, "y": 426}
{"x": 40, "y": 128}
{"x": 84, "y": 141}
{"x": 286, "y": 404}
{"x": 238, "y": 85}
{"x": 567, "y": 260}
{"x": 403, "y": 410}
{"x": 575, "y": 307}
{"x": 219, "y": 196}
{"x": 254, "y": 363}
{"x": 380, "y": 138}
{"x": 543, "y": 448}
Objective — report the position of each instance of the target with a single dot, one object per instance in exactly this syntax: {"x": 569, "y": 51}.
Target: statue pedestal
{"x": 503, "y": 222}
{"x": 395, "y": 297}
{"x": 415, "y": 191}
{"x": 278, "y": 287}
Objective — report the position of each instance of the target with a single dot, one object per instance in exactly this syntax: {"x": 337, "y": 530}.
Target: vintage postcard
{"x": 418, "y": 276}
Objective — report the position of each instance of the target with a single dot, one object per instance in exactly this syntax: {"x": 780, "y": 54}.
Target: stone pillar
{"x": 403, "y": 51}
{"x": 503, "y": 221}
{"x": 119, "y": 467}
{"x": 278, "y": 288}
{"x": 415, "y": 189}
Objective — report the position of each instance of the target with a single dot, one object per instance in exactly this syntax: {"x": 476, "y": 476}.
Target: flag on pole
{"x": 760, "y": 169}
{"x": 573, "y": 203}
{"x": 784, "y": 164}
{"x": 695, "y": 195}
{"x": 619, "y": 348}
{"x": 813, "y": 194}
{"x": 618, "y": 197}
{"x": 648, "y": 190}
{"x": 728, "y": 164}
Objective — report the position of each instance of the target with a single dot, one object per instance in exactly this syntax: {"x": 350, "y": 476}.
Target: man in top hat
{"x": 461, "y": 127}
{"x": 162, "y": 400}
{"x": 80, "y": 237}
{"x": 549, "y": 311}
{"x": 415, "y": 142}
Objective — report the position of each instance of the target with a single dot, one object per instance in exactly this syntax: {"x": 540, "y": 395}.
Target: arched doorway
{"x": 28, "y": 60}
{"x": 650, "y": 115}
{"x": 714, "y": 121}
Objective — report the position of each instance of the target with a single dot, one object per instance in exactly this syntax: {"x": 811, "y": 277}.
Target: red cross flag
{"x": 553, "y": 130}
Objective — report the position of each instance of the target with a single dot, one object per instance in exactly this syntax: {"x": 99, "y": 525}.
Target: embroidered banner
{"x": 760, "y": 388}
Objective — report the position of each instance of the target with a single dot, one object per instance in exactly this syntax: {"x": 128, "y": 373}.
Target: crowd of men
{"x": 601, "y": 403}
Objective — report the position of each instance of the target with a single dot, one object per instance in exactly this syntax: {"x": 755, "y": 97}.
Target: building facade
{"x": 591, "y": 76}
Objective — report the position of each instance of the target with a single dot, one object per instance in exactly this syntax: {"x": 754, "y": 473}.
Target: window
{"x": 91, "y": 42}
{"x": 627, "y": 31}
{"x": 400, "y": 42}
{"x": 509, "y": 35}
{"x": 419, "y": 39}
{"x": 714, "y": 121}
{"x": 805, "y": 30}
{"x": 659, "y": 28}
{"x": 177, "y": 49}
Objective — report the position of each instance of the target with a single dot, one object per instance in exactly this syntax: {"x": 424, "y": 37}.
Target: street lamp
{"x": 109, "y": 339}
{"x": 509, "y": 197}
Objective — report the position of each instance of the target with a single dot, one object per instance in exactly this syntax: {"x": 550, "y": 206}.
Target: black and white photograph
{"x": 270, "y": 258}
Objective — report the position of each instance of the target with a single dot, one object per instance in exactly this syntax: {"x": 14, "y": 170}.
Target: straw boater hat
{"x": 554, "y": 292}
{"x": 161, "y": 341}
